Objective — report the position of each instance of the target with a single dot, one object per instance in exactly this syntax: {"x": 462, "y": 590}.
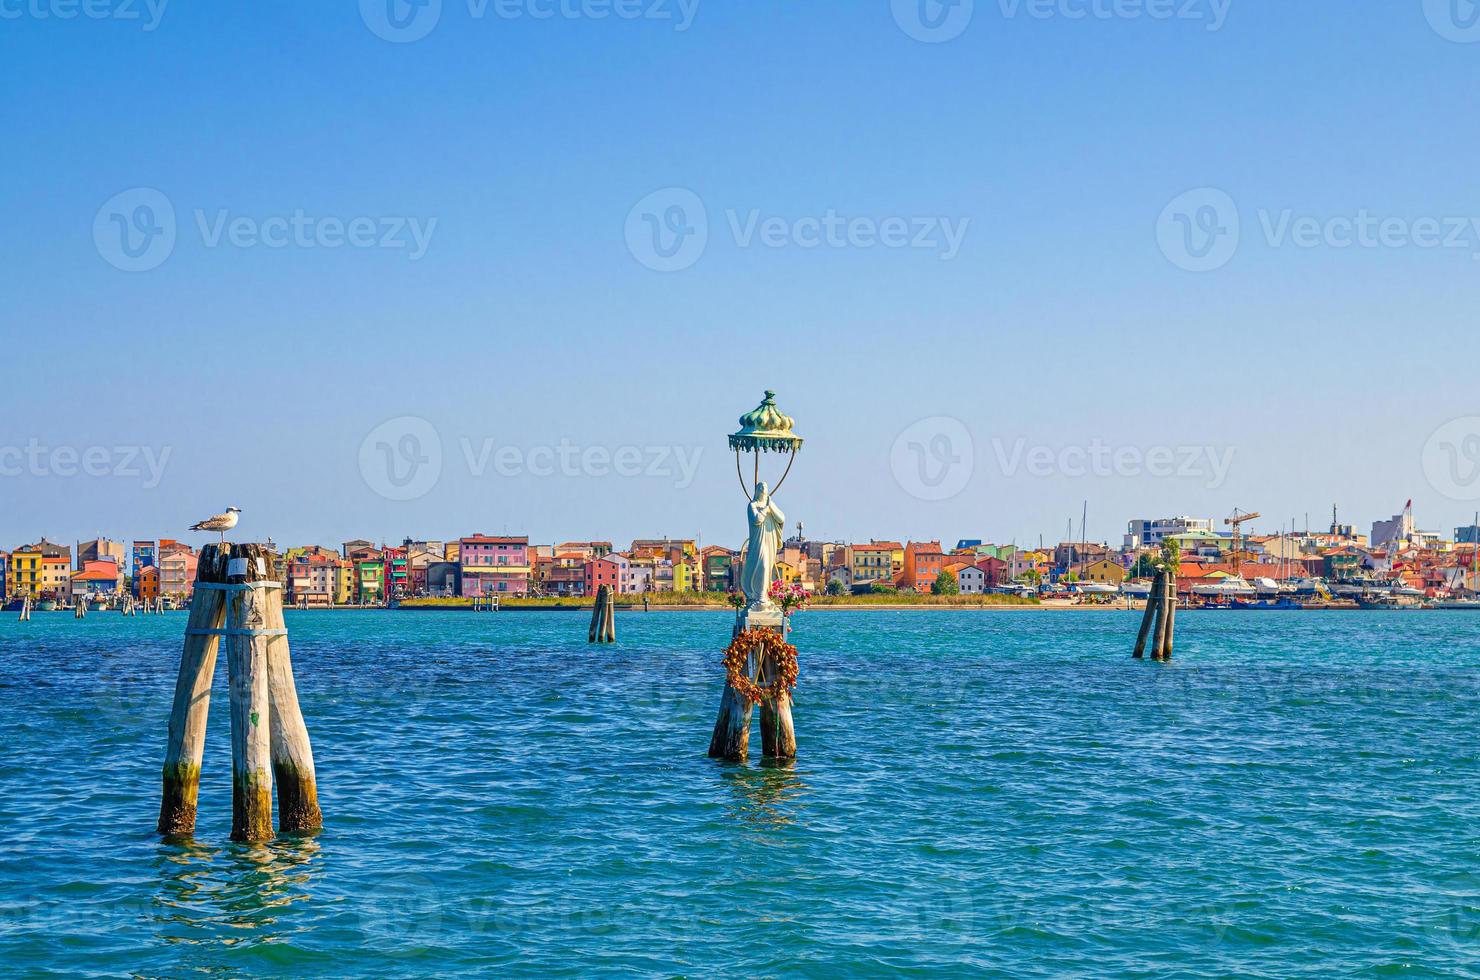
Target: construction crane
{"x": 1237, "y": 522}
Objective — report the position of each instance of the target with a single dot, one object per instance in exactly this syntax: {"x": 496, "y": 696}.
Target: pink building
{"x": 494, "y": 565}
{"x": 603, "y": 571}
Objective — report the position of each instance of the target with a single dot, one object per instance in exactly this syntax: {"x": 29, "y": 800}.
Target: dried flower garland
{"x": 767, "y": 645}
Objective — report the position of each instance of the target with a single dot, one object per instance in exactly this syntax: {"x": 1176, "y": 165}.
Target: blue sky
{"x": 528, "y": 151}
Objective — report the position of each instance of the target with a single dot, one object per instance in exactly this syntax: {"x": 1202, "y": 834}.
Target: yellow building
{"x": 869, "y": 563}
{"x": 1102, "y": 571}
{"x": 344, "y": 583}
{"x": 24, "y": 578}
{"x": 787, "y": 573}
{"x": 56, "y": 577}
{"x": 685, "y": 576}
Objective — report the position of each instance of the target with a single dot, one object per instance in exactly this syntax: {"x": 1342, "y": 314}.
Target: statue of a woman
{"x": 766, "y": 524}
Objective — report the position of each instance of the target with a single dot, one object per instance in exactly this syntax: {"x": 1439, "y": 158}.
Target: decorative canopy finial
{"x": 766, "y": 429}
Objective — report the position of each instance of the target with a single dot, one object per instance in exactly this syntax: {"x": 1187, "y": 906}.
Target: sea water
{"x": 992, "y": 792}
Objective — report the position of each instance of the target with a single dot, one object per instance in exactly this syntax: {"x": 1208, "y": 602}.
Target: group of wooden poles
{"x": 129, "y": 607}
{"x": 235, "y": 601}
{"x": 1159, "y": 624}
{"x": 603, "y": 617}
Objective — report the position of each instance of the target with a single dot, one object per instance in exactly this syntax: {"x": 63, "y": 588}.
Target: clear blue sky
{"x": 1059, "y": 322}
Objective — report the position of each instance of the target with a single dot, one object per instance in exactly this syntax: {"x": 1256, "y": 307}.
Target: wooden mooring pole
{"x": 187, "y": 734}
{"x": 234, "y": 600}
{"x": 1148, "y": 617}
{"x": 1169, "y": 627}
{"x": 1158, "y": 628}
{"x": 603, "y": 618}
{"x": 731, "y": 737}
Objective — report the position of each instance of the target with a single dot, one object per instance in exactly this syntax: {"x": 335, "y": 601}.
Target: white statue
{"x": 766, "y": 525}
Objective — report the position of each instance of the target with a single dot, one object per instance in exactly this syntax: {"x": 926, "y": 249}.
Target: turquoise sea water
{"x": 1000, "y": 793}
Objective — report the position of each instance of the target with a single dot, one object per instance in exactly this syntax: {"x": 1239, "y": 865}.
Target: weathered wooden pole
{"x": 292, "y": 754}
{"x": 598, "y": 615}
{"x": 731, "y": 738}
{"x": 1158, "y": 629}
{"x": 778, "y": 735}
{"x": 187, "y": 733}
{"x": 611, "y": 619}
{"x": 247, "y": 635}
{"x": 1171, "y": 618}
{"x": 1148, "y": 617}
{"x": 79, "y": 609}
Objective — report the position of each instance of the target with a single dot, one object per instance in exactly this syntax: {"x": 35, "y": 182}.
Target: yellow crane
{"x": 1237, "y": 522}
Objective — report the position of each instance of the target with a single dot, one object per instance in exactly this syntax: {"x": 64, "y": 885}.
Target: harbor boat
{"x": 46, "y": 605}
{"x": 1378, "y": 600}
{"x": 1229, "y": 588}
{"x": 1282, "y": 603}
{"x": 1136, "y": 590}
{"x": 1458, "y": 602}
{"x": 1096, "y": 588}
{"x": 1269, "y": 588}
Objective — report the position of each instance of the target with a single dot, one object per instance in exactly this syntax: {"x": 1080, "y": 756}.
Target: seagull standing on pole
{"x": 221, "y": 522}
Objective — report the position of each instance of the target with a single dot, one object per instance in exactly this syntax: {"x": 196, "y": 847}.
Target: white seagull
{"x": 221, "y": 522}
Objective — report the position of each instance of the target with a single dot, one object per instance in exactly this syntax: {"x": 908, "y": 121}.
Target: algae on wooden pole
{"x": 292, "y": 753}
{"x": 246, "y": 663}
{"x": 187, "y": 731}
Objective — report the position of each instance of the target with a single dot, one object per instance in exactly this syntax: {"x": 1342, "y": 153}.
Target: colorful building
{"x": 923, "y": 563}
{"x": 369, "y": 579}
{"x": 56, "y": 577}
{"x": 870, "y": 563}
{"x": 97, "y": 577}
{"x": 145, "y": 555}
{"x": 602, "y": 571}
{"x": 494, "y": 565}
{"x": 177, "y": 563}
{"x": 146, "y": 583}
{"x": 719, "y": 569}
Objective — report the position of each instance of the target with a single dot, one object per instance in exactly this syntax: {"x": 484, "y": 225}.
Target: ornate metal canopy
{"x": 766, "y": 430}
